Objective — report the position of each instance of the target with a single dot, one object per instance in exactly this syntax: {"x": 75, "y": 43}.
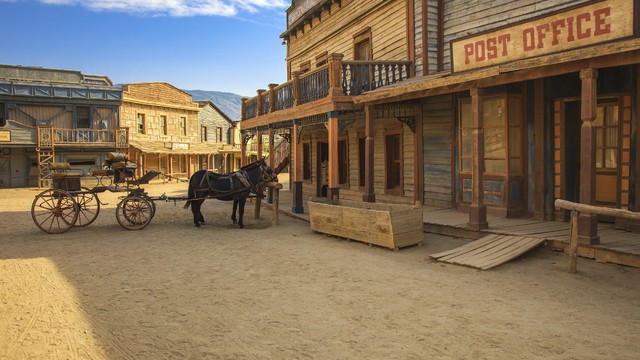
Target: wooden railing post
{"x": 573, "y": 243}
{"x": 296, "y": 87}
{"x": 243, "y": 108}
{"x": 272, "y": 97}
{"x": 335, "y": 74}
{"x": 259, "y": 102}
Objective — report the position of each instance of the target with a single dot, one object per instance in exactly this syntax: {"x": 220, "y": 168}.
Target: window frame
{"x": 183, "y": 125}
{"x": 141, "y": 125}
{"x": 163, "y": 125}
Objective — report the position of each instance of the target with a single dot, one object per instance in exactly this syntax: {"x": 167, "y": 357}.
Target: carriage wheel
{"x": 54, "y": 211}
{"x": 134, "y": 213}
{"x": 88, "y": 207}
{"x": 153, "y": 206}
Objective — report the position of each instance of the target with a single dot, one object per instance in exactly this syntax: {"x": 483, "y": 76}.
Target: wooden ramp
{"x": 489, "y": 251}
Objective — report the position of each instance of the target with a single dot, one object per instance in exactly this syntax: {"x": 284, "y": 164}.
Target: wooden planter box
{"x": 389, "y": 225}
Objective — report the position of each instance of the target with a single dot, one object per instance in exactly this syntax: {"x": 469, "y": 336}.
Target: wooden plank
{"x": 470, "y": 246}
{"x": 524, "y": 246}
{"x": 463, "y": 255}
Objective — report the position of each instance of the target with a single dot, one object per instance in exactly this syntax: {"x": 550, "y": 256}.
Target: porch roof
{"x": 162, "y": 147}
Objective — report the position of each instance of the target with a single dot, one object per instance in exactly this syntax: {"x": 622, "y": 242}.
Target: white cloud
{"x": 175, "y": 7}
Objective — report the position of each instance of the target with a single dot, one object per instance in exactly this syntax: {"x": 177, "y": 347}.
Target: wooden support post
{"x": 259, "y": 142}
{"x": 296, "y": 159}
{"x": 333, "y": 190}
{"x": 573, "y": 243}
{"x": 272, "y": 160}
{"x": 256, "y": 211}
{"x": 477, "y": 210}
{"x": 272, "y": 97}
{"x": 369, "y": 194}
{"x": 243, "y": 151}
{"x": 259, "y": 109}
{"x": 539, "y": 162}
{"x": 418, "y": 171}
{"x": 335, "y": 75}
{"x": 170, "y": 166}
{"x": 588, "y": 223}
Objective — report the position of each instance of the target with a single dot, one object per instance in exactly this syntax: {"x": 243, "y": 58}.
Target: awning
{"x": 167, "y": 147}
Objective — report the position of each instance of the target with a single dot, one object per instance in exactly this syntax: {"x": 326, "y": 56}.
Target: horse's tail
{"x": 190, "y": 195}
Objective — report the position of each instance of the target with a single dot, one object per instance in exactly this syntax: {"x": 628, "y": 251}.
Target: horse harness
{"x": 240, "y": 175}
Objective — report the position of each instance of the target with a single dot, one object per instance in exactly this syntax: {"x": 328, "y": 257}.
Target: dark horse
{"x": 236, "y": 186}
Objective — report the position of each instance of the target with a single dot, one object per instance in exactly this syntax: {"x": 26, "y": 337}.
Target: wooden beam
{"x": 418, "y": 171}
{"x": 477, "y": 210}
{"x": 332, "y": 127}
{"x": 588, "y": 223}
{"x": 539, "y": 160}
{"x": 369, "y": 193}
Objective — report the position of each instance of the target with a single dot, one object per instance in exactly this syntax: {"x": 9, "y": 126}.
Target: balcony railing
{"x": 75, "y": 136}
{"x": 336, "y": 78}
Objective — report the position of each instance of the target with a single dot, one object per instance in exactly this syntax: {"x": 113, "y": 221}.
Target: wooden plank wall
{"x": 333, "y": 32}
{"x": 351, "y": 191}
{"x": 432, "y": 36}
{"x": 462, "y": 18}
{"x": 417, "y": 21}
{"x": 438, "y": 135}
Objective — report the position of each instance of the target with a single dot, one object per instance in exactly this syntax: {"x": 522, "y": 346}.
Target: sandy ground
{"x": 174, "y": 291}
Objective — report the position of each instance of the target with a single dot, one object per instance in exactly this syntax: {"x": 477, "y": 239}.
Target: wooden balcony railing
{"x": 336, "y": 78}
{"x": 75, "y": 136}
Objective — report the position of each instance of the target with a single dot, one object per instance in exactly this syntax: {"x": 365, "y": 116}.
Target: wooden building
{"x": 484, "y": 106}
{"x": 217, "y": 128}
{"x": 164, "y": 130}
{"x": 49, "y": 115}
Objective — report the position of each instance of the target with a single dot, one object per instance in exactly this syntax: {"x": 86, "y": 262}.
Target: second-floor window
{"x": 203, "y": 134}
{"x": 362, "y": 49}
{"x": 183, "y": 126}
{"x": 3, "y": 121}
{"x": 140, "y": 123}
{"x": 218, "y": 134}
{"x": 83, "y": 117}
{"x": 163, "y": 124}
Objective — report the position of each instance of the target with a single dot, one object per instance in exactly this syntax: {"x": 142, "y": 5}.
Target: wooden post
{"x": 335, "y": 75}
{"x": 369, "y": 194}
{"x": 477, "y": 210}
{"x": 259, "y": 109}
{"x": 333, "y": 190}
{"x": 272, "y": 160}
{"x": 296, "y": 159}
{"x": 170, "y": 166}
{"x": 272, "y": 98}
{"x": 259, "y": 144}
{"x": 539, "y": 162}
{"x": 243, "y": 150}
{"x": 296, "y": 87}
{"x": 573, "y": 243}
{"x": 588, "y": 223}
{"x": 256, "y": 211}
{"x": 418, "y": 172}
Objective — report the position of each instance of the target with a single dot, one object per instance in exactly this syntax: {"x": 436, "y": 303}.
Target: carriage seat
{"x": 63, "y": 169}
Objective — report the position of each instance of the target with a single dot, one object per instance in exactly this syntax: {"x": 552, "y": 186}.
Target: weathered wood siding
{"x": 351, "y": 191}
{"x": 438, "y": 142}
{"x": 432, "y": 35}
{"x": 462, "y": 18}
{"x": 58, "y": 116}
{"x": 417, "y": 21}
{"x": 333, "y": 32}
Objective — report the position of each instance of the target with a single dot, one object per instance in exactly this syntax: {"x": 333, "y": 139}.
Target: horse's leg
{"x": 200, "y": 212}
{"x": 233, "y": 214}
{"x": 241, "y": 201}
{"x": 195, "y": 209}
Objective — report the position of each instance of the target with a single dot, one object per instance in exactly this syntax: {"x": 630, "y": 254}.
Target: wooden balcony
{"x": 327, "y": 88}
{"x": 48, "y": 137}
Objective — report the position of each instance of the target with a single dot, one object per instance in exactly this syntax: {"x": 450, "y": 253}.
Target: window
{"x": 393, "y": 162}
{"x": 502, "y": 135}
{"x": 83, "y": 117}
{"x": 306, "y": 161}
{"x": 343, "y": 163}
{"x": 203, "y": 133}
{"x": 362, "y": 45}
{"x": 607, "y": 133}
{"x": 361, "y": 161}
{"x": 183, "y": 126}
{"x": 218, "y": 134}
{"x": 163, "y": 124}
{"x": 140, "y": 123}
{"x": 305, "y": 66}
{"x": 322, "y": 59}
{"x": 183, "y": 164}
{"x": 3, "y": 121}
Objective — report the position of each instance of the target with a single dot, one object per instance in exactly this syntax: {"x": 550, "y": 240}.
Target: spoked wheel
{"x": 54, "y": 211}
{"x": 153, "y": 206}
{"x": 134, "y": 213}
{"x": 88, "y": 207}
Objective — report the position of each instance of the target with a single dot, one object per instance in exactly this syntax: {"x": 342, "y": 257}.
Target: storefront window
{"x": 607, "y": 130}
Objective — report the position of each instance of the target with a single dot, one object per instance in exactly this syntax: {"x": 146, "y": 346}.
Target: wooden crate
{"x": 389, "y": 225}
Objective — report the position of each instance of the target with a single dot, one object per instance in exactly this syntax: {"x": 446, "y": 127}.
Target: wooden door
{"x": 5, "y": 172}
{"x": 322, "y": 166}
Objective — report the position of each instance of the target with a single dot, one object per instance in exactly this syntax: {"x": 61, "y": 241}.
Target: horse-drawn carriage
{"x": 68, "y": 203}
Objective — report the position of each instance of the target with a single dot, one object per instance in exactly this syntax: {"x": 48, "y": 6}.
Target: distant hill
{"x": 229, "y": 103}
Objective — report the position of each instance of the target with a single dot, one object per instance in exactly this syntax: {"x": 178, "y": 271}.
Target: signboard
{"x": 301, "y": 7}
{"x": 181, "y": 146}
{"x": 578, "y": 27}
{"x": 5, "y": 136}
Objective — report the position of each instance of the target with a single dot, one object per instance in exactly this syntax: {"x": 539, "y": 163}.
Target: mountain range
{"x": 229, "y": 103}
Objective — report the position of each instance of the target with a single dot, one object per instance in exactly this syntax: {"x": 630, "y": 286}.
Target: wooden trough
{"x": 389, "y": 225}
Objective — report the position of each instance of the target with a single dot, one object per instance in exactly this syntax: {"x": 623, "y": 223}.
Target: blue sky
{"x": 221, "y": 45}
